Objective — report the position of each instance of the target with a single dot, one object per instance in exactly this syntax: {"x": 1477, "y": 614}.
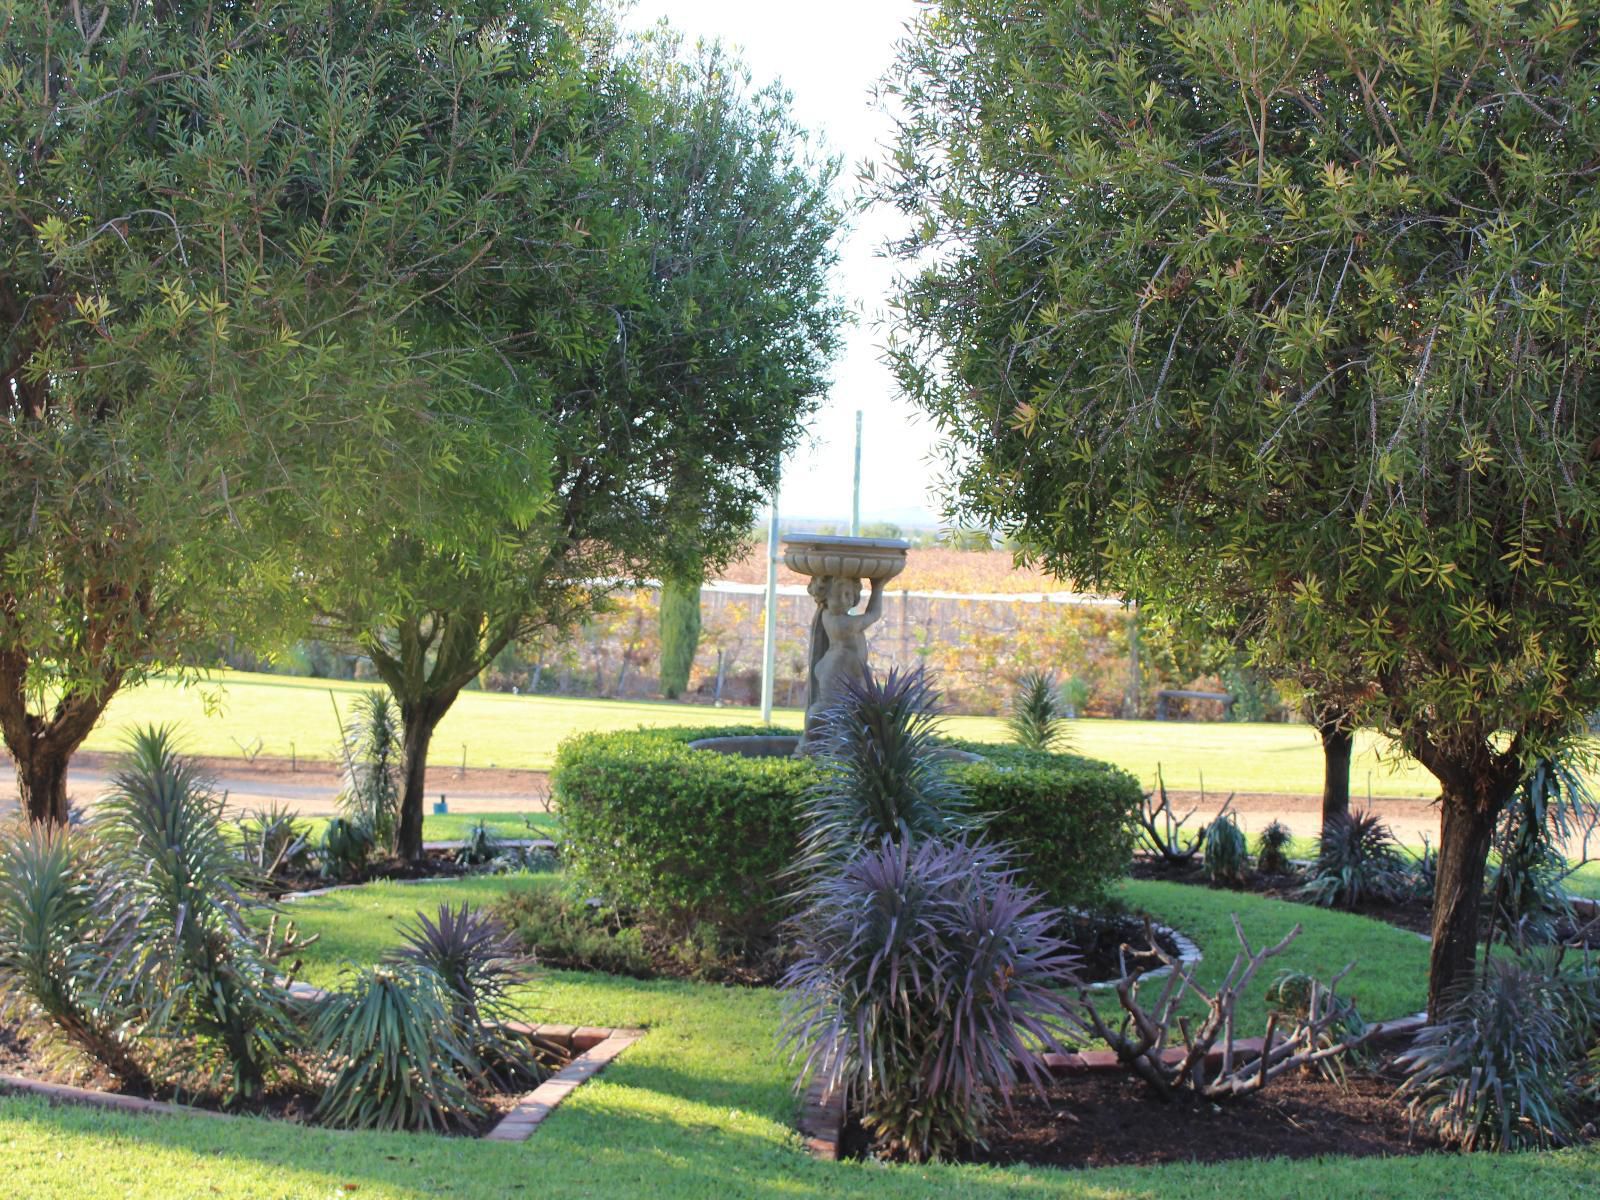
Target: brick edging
{"x": 527, "y": 1114}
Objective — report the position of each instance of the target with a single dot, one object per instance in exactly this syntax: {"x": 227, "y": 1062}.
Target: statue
{"x": 838, "y": 642}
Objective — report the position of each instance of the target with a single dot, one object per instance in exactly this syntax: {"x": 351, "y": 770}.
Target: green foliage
{"x": 883, "y": 776}
{"x": 1202, "y": 340}
{"x": 345, "y": 849}
{"x": 1069, "y": 821}
{"x": 1498, "y": 1071}
{"x": 274, "y": 840}
{"x": 61, "y": 922}
{"x": 1038, "y": 714}
{"x": 680, "y": 836}
{"x": 1225, "y": 854}
{"x": 480, "y": 846}
{"x": 1357, "y": 859}
{"x": 202, "y": 972}
{"x": 562, "y": 929}
{"x": 392, "y": 1054}
{"x": 680, "y": 632}
{"x": 1272, "y": 849}
{"x": 1551, "y": 808}
{"x": 369, "y": 795}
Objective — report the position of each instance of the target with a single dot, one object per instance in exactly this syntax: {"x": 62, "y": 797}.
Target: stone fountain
{"x": 837, "y": 565}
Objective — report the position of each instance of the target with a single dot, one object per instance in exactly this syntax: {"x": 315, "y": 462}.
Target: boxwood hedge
{"x": 685, "y": 836}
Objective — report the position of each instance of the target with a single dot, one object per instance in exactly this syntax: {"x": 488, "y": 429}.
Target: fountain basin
{"x": 878, "y": 559}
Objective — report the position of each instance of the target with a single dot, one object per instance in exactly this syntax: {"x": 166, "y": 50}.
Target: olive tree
{"x": 1312, "y": 290}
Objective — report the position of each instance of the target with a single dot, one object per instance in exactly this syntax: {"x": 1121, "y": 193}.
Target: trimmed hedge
{"x": 1069, "y": 821}
{"x": 681, "y": 836}
{"x": 686, "y": 836}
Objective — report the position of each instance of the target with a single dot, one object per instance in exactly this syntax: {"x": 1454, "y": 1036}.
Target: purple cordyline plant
{"x": 928, "y": 976}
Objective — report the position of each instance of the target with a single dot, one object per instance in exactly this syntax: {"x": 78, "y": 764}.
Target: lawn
{"x": 496, "y": 729}
{"x": 702, "y": 1105}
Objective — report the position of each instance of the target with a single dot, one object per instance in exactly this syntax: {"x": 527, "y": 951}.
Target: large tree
{"x": 698, "y": 326}
{"x": 1312, "y": 289}
{"x": 217, "y": 222}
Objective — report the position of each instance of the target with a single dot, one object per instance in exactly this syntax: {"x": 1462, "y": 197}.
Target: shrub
{"x": 1225, "y": 855}
{"x": 1272, "y": 849}
{"x": 345, "y": 848}
{"x": 1069, "y": 821}
{"x": 1038, "y": 718}
{"x": 371, "y": 752}
{"x": 1357, "y": 859}
{"x": 681, "y": 836}
{"x": 207, "y": 977}
{"x": 392, "y": 1054}
{"x": 481, "y": 965}
{"x": 883, "y": 775}
{"x": 481, "y": 845}
{"x": 1498, "y": 1071}
{"x": 273, "y": 840}
{"x": 569, "y": 932}
{"x": 927, "y": 972}
{"x": 59, "y": 914}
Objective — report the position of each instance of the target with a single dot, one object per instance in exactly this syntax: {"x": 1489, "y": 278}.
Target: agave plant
{"x": 274, "y": 840}
{"x": 205, "y": 973}
{"x": 1225, "y": 854}
{"x": 481, "y": 964}
{"x": 1272, "y": 849}
{"x": 372, "y": 755}
{"x": 62, "y": 923}
{"x": 345, "y": 848}
{"x": 1038, "y": 718}
{"x": 1357, "y": 859}
{"x": 926, "y": 975}
{"x": 884, "y": 775}
{"x": 392, "y": 1054}
{"x": 1498, "y": 1071}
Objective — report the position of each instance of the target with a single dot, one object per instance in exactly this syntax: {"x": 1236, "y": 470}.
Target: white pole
{"x": 769, "y": 656}
{"x": 855, "y": 501}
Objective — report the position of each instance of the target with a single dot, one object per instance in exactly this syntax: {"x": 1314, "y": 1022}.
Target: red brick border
{"x": 821, "y": 1120}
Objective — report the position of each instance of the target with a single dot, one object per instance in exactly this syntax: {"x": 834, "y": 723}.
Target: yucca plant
{"x": 927, "y": 975}
{"x": 1225, "y": 854}
{"x": 274, "y": 840}
{"x": 1552, "y": 806}
{"x": 205, "y": 975}
{"x": 884, "y": 775}
{"x": 345, "y": 848}
{"x": 482, "y": 965}
{"x": 372, "y": 755}
{"x": 480, "y": 846}
{"x": 1499, "y": 1071}
{"x": 1272, "y": 849}
{"x": 62, "y": 925}
{"x": 392, "y": 1054}
{"x": 1038, "y": 718}
{"x": 1357, "y": 859}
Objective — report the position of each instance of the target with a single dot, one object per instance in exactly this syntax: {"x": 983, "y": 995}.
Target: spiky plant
{"x": 345, "y": 848}
{"x": 1272, "y": 849}
{"x": 274, "y": 840}
{"x": 61, "y": 927}
{"x": 1498, "y": 1070}
{"x": 372, "y": 757}
{"x": 1552, "y": 805}
{"x": 392, "y": 1054}
{"x": 480, "y": 846}
{"x": 1038, "y": 718}
{"x": 482, "y": 965}
{"x": 208, "y": 980}
{"x": 883, "y": 773}
{"x": 1357, "y": 859}
{"x": 1225, "y": 854}
{"x": 927, "y": 975}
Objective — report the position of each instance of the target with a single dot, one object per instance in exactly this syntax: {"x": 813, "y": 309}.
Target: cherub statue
{"x": 838, "y": 643}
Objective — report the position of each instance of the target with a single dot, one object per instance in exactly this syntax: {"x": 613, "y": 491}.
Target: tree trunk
{"x": 419, "y": 718}
{"x": 42, "y": 784}
{"x": 1337, "y": 744}
{"x": 1465, "y": 836}
{"x": 42, "y": 746}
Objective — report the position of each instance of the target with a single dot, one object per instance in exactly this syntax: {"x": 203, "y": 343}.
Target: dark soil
{"x": 289, "y": 1100}
{"x": 1111, "y": 945}
{"x": 1102, "y": 1120}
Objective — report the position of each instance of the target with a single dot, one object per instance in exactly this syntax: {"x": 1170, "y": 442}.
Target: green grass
{"x": 452, "y": 827}
{"x": 523, "y": 732}
{"x": 702, "y": 1106}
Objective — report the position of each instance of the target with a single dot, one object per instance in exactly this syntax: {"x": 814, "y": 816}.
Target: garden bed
{"x": 573, "y": 1054}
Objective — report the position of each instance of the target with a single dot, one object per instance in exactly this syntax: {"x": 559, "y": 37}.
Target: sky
{"x": 829, "y": 53}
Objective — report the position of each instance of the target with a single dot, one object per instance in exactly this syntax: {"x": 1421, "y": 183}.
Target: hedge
{"x": 685, "y": 836}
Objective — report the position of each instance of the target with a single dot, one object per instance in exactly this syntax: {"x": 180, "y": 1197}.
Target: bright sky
{"x": 829, "y": 53}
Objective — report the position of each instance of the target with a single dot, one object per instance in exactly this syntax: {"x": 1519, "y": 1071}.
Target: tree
{"x": 1307, "y": 289}
{"x": 669, "y": 366}
{"x": 680, "y": 633}
{"x": 218, "y": 223}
